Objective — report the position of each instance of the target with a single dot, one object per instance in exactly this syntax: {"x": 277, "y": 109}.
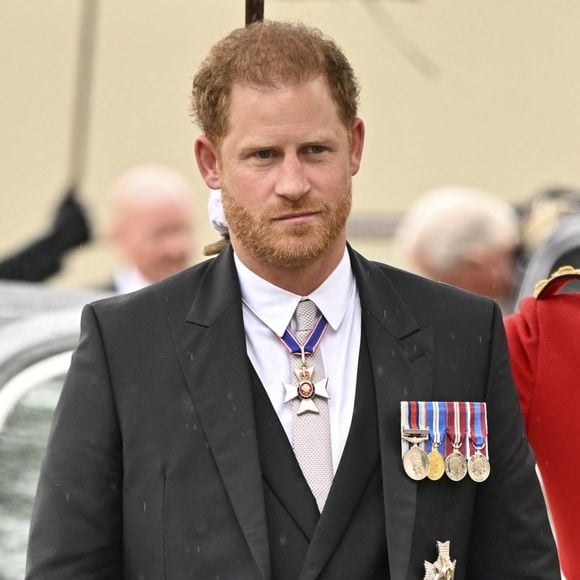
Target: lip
{"x": 297, "y": 218}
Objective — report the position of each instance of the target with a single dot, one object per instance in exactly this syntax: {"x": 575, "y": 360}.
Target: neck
{"x": 301, "y": 280}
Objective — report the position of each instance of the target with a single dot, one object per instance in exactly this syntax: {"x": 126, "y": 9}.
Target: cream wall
{"x": 484, "y": 93}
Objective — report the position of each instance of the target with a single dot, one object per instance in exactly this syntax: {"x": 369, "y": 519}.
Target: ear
{"x": 207, "y": 162}
{"x": 357, "y": 140}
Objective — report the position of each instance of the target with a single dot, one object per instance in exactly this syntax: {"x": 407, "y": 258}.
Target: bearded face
{"x": 268, "y": 237}
{"x": 285, "y": 170}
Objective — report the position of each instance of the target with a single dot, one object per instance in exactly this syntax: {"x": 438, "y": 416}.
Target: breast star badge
{"x": 443, "y": 568}
{"x": 306, "y": 390}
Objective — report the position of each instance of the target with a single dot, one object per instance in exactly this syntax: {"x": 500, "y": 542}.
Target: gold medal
{"x": 436, "y": 465}
{"x": 478, "y": 467}
{"x": 437, "y": 430}
{"x": 416, "y": 463}
{"x": 456, "y": 466}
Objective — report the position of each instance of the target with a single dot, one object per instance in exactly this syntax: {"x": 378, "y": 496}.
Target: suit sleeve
{"x": 76, "y": 523}
{"x": 512, "y": 536}
{"x": 522, "y": 336}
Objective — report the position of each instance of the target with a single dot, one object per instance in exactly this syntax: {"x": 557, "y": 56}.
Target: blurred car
{"x": 39, "y": 328}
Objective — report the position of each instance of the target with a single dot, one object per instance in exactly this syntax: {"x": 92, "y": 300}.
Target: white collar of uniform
{"x": 275, "y": 306}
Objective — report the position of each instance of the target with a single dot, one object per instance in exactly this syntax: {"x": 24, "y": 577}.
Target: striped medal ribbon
{"x": 455, "y": 462}
{"x": 478, "y": 465}
{"x": 436, "y": 421}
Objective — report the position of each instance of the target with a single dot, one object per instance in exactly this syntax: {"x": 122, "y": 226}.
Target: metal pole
{"x": 254, "y": 11}
{"x": 82, "y": 102}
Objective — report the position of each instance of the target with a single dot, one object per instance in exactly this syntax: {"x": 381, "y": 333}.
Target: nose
{"x": 292, "y": 181}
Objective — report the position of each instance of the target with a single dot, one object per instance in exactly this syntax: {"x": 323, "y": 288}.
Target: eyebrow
{"x": 315, "y": 139}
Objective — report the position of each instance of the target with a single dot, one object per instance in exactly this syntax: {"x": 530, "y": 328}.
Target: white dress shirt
{"x": 268, "y": 310}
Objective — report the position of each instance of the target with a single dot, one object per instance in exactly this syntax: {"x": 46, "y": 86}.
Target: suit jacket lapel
{"x": 211, "y": 348}
{"x": 401, "y": 360}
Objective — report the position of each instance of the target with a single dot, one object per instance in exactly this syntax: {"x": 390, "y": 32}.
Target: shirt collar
{"x": 275, "y": 306}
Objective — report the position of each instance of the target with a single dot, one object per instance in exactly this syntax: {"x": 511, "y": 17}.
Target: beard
{"x": 294, "y": 245}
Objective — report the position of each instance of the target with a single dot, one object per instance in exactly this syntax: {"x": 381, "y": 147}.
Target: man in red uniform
{"x": 545, "y": 353}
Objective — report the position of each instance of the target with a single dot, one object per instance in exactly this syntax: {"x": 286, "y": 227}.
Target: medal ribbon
{"x": 468, "y": 414}
{"x": 410, "y": 417}
{"x": 417, "y": 417}
{"x": 425, "y": 423}
{"x": 431, "y": 426}
{"x": 405, "y": 445}
{"x": 478, "y": 428}
{"x": 413, "y": 412}
{"x": 436, "y": 423}
{"x": 456, "y": 424}
{"x": 441, "y": 406}
{"x": 311, "y": 343}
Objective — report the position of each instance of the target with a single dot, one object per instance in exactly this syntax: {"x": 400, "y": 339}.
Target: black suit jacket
{"x": 153, "y": 471}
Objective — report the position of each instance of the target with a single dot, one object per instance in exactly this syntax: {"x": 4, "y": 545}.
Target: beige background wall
{"x": 484, "y": 93}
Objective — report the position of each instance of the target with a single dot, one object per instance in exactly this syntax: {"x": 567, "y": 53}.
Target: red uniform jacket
{"x": 544, "y": 343}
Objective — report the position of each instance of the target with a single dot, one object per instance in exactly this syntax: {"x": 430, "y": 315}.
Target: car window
{"x": 27, "y": 404}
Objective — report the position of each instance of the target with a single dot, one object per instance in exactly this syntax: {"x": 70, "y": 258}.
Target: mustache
{"x": 289, "y": 207}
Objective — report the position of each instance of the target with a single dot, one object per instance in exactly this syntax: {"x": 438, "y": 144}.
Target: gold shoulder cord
{"x": 555, "y": 281}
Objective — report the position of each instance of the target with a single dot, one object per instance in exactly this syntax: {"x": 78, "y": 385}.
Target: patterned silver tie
{"x": 311, "y": 427}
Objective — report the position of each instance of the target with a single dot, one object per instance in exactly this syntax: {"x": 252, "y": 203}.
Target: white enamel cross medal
{"x": 306, "y": 389}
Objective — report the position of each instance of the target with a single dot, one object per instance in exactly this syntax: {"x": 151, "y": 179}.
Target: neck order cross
{"x": 309, "y": 397}
{"x": 309, "y": 334}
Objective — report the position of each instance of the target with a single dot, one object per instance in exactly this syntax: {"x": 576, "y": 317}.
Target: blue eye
{"x": 317, "y": 149}
{"x": 264, "y": 154}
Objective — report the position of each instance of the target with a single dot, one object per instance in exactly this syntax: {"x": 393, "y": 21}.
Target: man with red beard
{"x": 244, "y": 419}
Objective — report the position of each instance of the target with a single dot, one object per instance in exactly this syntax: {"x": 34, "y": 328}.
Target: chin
{"x": 295, "y": 253}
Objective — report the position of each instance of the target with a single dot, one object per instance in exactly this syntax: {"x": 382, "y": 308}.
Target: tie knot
{"x": 306, "y": 315}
